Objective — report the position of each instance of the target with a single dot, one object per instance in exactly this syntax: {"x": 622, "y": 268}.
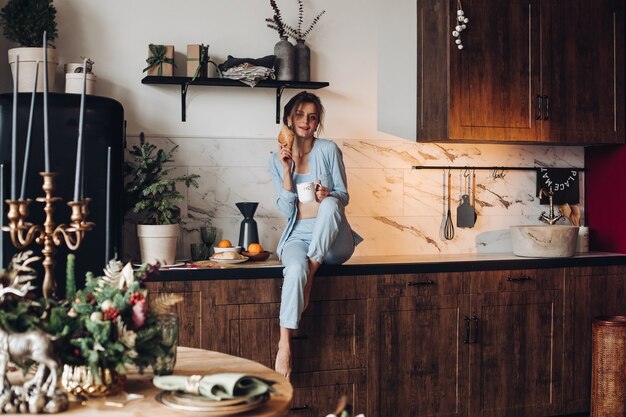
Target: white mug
{"x": 306, "y": 191}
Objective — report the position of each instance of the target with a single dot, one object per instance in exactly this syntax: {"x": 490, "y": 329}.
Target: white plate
{"x": 174, "y": 265}
{"x": 229, "y": 261}
{"x": 188, "y": 402}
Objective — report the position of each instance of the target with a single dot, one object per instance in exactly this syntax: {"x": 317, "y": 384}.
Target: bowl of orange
{"x": 256, "y": 253}
{"x": 226, "y": 245}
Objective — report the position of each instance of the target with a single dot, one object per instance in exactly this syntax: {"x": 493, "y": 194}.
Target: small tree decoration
{"x": 150, "y": 192}
{"x": 283, "y": 29}
{"x": 24, "y": 22}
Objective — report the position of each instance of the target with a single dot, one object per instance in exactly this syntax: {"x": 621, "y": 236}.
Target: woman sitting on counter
{"x": 317, "y": 231}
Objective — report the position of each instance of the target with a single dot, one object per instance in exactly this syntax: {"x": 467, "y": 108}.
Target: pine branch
{"x": 164, "y": 303}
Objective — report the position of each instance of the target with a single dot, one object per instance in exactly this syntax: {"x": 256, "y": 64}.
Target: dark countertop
{"x": 380, "y": 265}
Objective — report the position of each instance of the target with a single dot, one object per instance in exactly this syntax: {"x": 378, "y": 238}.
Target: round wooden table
{"x": 189, "y": 362}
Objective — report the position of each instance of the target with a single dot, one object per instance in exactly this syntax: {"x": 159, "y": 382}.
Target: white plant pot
{"x": 28, "y": 63}
{"x": 74, "y": 83}
{"x": 157, "y": 243}
{"x": 72, "y": 67}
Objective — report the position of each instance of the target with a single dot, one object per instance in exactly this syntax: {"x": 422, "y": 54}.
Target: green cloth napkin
{"x": 224, "y": 386}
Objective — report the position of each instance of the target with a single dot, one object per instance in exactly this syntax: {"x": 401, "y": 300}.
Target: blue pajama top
{"x": 326, "y": 165}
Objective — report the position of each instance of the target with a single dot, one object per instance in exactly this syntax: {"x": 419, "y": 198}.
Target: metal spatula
{"x": 465, "y": 211}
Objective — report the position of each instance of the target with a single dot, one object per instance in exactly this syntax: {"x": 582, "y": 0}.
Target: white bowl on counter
{"x": 544, "y": 241}
{"x": 231, "y": 249}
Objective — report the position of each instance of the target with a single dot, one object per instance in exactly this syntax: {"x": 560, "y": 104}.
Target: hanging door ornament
{"x": 460, "y": 24}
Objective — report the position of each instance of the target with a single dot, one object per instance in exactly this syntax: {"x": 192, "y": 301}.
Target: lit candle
{"x": 107, "y": 238}
{"x": 79, "y": 148}
{"x": 46, "y": 145}
{"x": 14, "y": 132}
{"x": 28, "y": 133}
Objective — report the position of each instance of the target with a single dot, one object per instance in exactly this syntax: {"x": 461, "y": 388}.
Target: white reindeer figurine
{"x": 36, "y": 344}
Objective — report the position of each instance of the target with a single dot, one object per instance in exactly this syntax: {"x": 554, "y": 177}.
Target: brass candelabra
{"x": 49, "y": 234}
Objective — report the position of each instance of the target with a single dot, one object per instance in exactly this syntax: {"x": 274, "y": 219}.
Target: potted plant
{"x": 151, "y": 193}
{"x": 24, "y": 22}
{"x": 74, "y": 78}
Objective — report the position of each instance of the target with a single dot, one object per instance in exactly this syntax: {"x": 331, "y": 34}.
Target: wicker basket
{"x": 608, "y": 367}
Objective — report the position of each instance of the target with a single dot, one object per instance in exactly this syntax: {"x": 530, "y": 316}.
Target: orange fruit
{"x": 255, "y": 248}
{"x": 225, "y": 243}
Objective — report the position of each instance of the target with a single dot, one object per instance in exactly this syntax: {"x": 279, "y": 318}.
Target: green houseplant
{"x": 24, "y": 22}
{"x": 151, "y": 194}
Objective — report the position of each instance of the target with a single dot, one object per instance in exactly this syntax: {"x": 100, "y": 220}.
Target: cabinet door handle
{"x": 301, "y": 408}
{"x": 546, "y": 114}
{"x": 519, "y": 279}
{"x": 420, "y": 283}
{"x": 475, "y": 320}
{"x": 538, "y": 114}
{"x": 300, "y": 337}
{"x": 467, "y": 330}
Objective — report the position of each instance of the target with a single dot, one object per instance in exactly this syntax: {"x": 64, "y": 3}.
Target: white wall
{"x": 116, "y": 34}
{"x": 230, "y": 132}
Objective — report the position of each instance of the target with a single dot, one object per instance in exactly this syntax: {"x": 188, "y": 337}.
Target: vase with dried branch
{"x": 301, "y": 51}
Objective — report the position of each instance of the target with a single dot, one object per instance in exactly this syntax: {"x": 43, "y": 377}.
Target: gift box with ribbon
{"x": 197, "y": 60}
{"x": 160, "y": 60}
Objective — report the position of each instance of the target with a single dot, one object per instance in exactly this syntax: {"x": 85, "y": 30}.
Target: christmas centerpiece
{"x": 112, "y": 327}
{"x": 93, "y": 335}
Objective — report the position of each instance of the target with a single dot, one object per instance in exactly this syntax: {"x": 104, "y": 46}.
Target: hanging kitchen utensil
{"x": 442, "y": 229}
{"x": 473, "y": 199}
{"x": 449, "y": 227}
{"x": 465, "y": 212}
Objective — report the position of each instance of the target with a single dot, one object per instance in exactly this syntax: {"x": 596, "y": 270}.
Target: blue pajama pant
{"x": 326, "y": 239}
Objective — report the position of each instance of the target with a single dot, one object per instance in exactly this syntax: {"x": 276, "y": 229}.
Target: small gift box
{"x": 160, "y": 60}
{"x": 197, "y": 60}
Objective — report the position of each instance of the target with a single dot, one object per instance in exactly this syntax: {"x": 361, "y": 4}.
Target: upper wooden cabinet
{"x": 530, "y": 71}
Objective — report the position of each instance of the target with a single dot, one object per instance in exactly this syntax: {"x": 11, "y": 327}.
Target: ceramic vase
{"x": 284, "y": 63}
{"x": 302, "y": 55}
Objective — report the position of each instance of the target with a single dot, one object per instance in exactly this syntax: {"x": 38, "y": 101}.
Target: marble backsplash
{"x": 398, "y": 210}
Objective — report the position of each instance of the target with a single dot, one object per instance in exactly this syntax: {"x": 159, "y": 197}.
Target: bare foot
{"x": 283, "y": 360}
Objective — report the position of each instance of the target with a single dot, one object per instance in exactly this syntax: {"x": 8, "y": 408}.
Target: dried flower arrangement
{"x": 276, "y": 22}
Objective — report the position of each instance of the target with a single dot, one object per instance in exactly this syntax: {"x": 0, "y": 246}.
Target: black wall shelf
{"x": 185, "y": 82}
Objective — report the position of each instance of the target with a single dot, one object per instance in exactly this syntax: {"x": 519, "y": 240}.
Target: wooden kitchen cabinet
{"x": 474, "y": 344}
{"x": 615, "y": 295}
{"x": 516, "y": 351}
{"x": 535, "y": 71}
{"x": 417, "y": 331}
{"x": 329, "y": 350}
{"x": 501, "y": 343}
{"x": 584, "y": 291}
{"x": 590, "y": 292}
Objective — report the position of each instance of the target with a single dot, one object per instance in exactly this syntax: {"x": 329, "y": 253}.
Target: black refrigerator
{"x": 103, "y": 128}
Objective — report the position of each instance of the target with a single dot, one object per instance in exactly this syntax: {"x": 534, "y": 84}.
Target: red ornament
{"x": 111, "y": 314}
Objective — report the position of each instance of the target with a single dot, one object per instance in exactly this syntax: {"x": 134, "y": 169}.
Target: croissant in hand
{"x": 285, "y": 137}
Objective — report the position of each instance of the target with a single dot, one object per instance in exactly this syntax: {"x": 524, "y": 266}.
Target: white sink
{"x": 544, "y": 241}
